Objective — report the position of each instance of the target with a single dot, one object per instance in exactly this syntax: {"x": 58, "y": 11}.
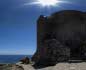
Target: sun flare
{"x": 45, "y": 3}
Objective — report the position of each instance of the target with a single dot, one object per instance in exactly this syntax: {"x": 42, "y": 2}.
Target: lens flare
{"x": 46, "y": 3}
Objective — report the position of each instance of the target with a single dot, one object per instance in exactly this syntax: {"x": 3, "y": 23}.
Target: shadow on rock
{"x": 43, "y": 63}
{"x": 47, "y": 63}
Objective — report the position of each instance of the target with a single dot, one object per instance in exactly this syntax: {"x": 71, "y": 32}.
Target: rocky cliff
{"x": 61, "y": 37}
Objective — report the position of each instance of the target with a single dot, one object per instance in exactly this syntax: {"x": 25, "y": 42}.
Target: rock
{"x": 61, "y": 37}
{"x": 10, "y": 67}
{"x": 17, "y": 67}
{"x": 25, "y": 60}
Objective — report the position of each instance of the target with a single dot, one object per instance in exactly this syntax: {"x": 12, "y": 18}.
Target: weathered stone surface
{"x": 17, "y": 67}
{"x": 10, "y": 67}
{"x": 25, "y": 60}
{"x": 61, "y": 37}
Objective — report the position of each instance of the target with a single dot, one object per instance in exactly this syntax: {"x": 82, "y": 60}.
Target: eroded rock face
{"x": 25, "y": 60}
{"x": 61, "y": 37}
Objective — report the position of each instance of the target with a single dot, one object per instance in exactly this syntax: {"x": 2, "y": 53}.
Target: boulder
{"x": 25, "y": 60}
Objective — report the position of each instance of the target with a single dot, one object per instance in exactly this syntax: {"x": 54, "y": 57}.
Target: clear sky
{"x": 18, "y": 23}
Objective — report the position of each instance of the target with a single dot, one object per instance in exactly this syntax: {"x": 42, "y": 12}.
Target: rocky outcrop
{"x": 61, "y": 37}
{"x": 25, "y": 60}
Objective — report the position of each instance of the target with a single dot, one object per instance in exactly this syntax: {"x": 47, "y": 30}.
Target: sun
{"x": 45, "y": 3}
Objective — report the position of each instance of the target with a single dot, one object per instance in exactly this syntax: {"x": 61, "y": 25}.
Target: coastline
{"x": 7, "y": 59}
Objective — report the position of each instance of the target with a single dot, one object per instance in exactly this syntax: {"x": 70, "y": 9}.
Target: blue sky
{"x": 18, "y": 23}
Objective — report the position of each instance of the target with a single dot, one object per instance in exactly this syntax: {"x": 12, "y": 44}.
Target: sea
{"x": 12, "y": 58}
